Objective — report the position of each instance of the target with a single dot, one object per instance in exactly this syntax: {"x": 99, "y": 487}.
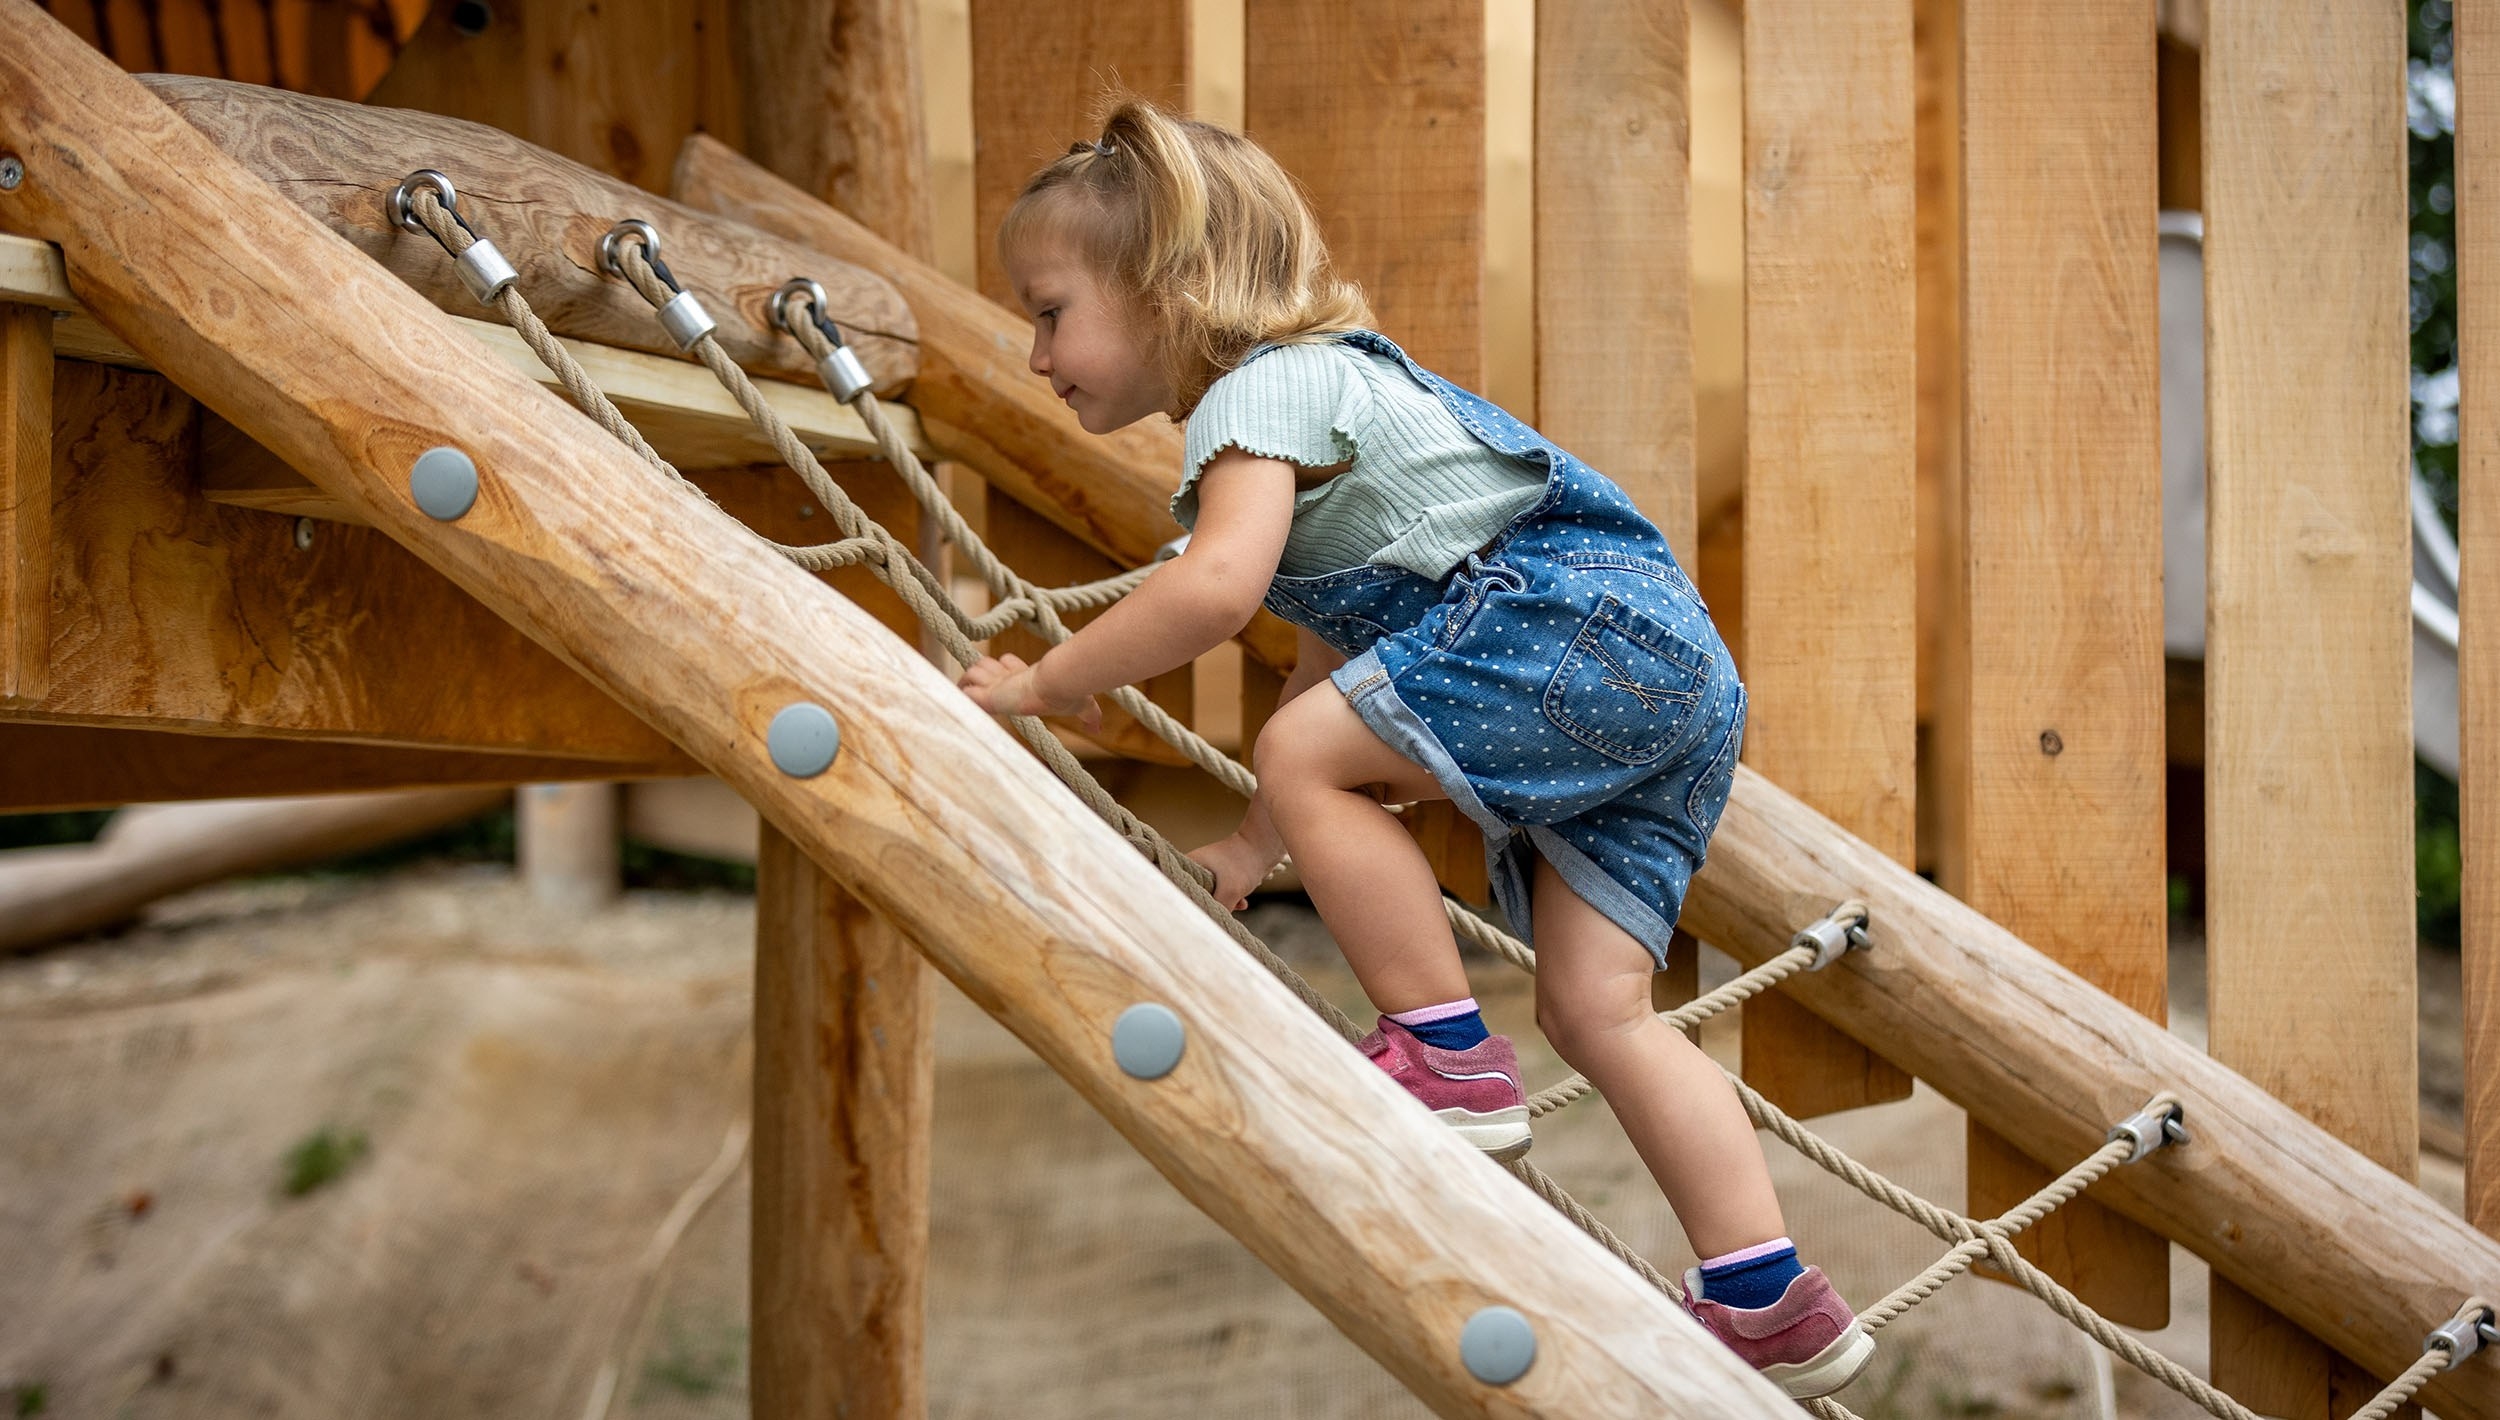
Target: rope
{"x": 1017, "y": 602}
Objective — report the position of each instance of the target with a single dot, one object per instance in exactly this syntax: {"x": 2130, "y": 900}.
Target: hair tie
{"x": 1100, "y": 147}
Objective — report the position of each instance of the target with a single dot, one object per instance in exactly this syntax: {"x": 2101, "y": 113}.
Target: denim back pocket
{"x": 1627, "y": 686}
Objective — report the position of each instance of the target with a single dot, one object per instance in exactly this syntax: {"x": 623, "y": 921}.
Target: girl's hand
{"x": 1005, "y": 685}
{"x": 1239, "y": 866}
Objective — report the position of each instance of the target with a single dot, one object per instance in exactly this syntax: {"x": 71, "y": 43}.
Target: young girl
{"x": 1481, "y": 617}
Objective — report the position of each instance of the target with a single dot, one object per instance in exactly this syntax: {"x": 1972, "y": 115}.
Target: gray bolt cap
{"x": 444, "y": 483}
{"x": 803, "y": 740}
{"x": 1147, "y": 1040}
{"x": 1497, "y": 1345}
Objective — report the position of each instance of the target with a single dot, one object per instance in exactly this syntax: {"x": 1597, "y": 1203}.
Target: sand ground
{"x": 535, "y": 1092}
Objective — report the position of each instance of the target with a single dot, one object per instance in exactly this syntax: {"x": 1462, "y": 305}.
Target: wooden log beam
{"x": 2276, "y": 1204}
{"x": 155, "y": 850}
{"x": 339, "y": 162}
{"x": 49, "y": 768}
{"x": 976, "y": 399}
{"x": 1267, "y": 1122}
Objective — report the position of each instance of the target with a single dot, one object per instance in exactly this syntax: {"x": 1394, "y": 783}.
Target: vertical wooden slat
{"x": 1037, "y": 71}
{"x": 25, "y": 502}
{"x": 833, "y": 103}
{"x": 1944, "y": 646}
{"x": 2308, "y": 728}
{"x": 1831, "y": 590}
{"x": 2062, "y": 569}
{"x": 2477, "y": 38}
{"x": 1379, "y": 112}
{"x": 845, "y": 1071}
{"x": 1614, "y": 339}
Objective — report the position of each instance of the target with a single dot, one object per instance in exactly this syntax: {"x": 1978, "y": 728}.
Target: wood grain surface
{"x": 1269, "y": 1123}
{"x": 1830, "y": 572}
{"x": 546, "y": 214}
{"x": 2309, "y": 919}
{"x": 2062, "y": 556}
{"x": 25, "y": 502}
{"x": 2478, "y": 597}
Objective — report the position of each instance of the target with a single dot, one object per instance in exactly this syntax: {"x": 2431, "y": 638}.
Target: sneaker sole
{"x": 1502, "y": 1134}
{"x": 1831, "y": 1369}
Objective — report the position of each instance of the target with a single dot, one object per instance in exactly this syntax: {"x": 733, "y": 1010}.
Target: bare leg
{"x": 1323, "y": 772}
{"x": 1592, "y": 1001}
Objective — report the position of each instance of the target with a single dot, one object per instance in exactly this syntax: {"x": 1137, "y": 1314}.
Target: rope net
{"x": 1016, "y": 602}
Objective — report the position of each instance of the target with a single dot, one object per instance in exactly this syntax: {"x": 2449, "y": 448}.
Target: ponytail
{"x": 1202, "y": 230}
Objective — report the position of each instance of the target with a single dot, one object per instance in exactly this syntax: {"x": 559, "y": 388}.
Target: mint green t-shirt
{"x": 1422, "y": 492}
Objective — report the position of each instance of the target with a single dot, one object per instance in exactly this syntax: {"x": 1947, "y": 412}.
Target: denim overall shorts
{"x": 1564, "y": 684}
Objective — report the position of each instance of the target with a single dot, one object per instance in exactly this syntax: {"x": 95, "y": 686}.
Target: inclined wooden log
{"x": 149, "y": 851}
{"x": 340, "y": 161}
{"x": 931, "y": 812}
{"x": 976, "y": 398}
{"x": 2278, "y": 1205}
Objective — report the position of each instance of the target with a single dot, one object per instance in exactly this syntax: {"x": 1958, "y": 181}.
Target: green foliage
{"x": 32, "y": 1398}
{"x": 2431, "y": 152}
{"x": 320, "y": 1158}
{"x": 2438, "y": 862}
{"x": 45, "y": 830}
{"x": 698, "y": 1361}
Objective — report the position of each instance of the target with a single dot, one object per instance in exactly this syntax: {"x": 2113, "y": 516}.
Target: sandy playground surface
{"x": 522, "y": 1096}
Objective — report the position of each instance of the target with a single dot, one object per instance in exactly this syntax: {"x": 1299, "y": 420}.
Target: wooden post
{"x": 2477, "y": 37}
{"x": 845, "y": 1064}
{"x": 1830, "y": 569}
{"x": 2308, "y": 661}
{"x": 568, "y": 848}
{"x": 1042, "y": 914}
{"x": 845, "y": 1070}
{"x": 2062, "y": 523}
{"x": 25, "y": 502}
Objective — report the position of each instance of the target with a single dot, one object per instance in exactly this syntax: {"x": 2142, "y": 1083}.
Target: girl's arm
{"x": 1190, "y": 605}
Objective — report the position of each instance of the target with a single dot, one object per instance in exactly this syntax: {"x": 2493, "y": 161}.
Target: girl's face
{"x": 1083, "y": 340}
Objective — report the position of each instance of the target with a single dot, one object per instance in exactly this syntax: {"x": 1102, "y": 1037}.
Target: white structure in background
{"x": 2183, "y": 504}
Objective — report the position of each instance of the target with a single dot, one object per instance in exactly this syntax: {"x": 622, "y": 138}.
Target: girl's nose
{"x": 1039, "y": 361}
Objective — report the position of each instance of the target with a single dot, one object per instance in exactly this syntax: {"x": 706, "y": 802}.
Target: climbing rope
{"x": 427, "y": 202}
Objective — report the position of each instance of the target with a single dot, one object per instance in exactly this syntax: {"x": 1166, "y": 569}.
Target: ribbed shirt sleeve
{"x": 1300, "y": 403}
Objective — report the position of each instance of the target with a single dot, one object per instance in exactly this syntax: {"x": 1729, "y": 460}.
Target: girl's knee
{"x": 1580, "y": 1017}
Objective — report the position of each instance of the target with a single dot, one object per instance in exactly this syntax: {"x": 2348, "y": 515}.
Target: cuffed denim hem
{"x": 1367, "y": 686}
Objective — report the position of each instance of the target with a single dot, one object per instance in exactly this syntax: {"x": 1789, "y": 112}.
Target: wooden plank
{"x": 1267, "y": 1122}
{"x": 1380, "y": 116}
{"x": 50, "y": 768}
{"x": 2477, "y": 37}
{"x": 2062, "y": 590}
{"x": 25, "y": 502}
{"x": 1614, "y": 330}
{"x": 1943, "y": 644}
{"x": 976, "y": 398}
{"x": 1037, "y": 73}
{"x": 2308, "y": 661}
{"x": 1831, "y": 595}
{"x": 845, "y": 1071}
{"x": 833, "y": 104}
{"x": 340, "y": 162}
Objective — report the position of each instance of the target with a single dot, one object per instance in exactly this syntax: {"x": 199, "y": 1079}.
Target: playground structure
{"x": 182, "y": 255}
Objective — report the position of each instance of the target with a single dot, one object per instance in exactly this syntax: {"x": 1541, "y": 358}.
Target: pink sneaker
{"x": 1807, "y": 1343}
{"x": 1475, "y": 1091}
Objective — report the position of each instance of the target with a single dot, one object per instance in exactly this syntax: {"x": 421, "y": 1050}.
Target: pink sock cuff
{"x": 1747, "y": 1254}
{"x": 1426, "y": 1015}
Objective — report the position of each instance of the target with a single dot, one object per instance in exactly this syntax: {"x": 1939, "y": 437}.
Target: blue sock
{"x": 1454, "y": 1025}
{"x": 1753, "y": 1278}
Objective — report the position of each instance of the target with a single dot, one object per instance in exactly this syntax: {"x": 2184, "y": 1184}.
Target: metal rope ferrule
{"x": 484, "y": 271}
{"x": 1835, "y": 935}
{"x": 2160, "y": 1123}
{"x": 681, "y": 315}
{"x": 2474, "y": 1327}
{"x": 839, "y": 367}
{"x": 686, "y": 321}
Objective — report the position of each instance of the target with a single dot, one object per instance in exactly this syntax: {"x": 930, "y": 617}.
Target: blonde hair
{"x": 1201, "y": 230}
